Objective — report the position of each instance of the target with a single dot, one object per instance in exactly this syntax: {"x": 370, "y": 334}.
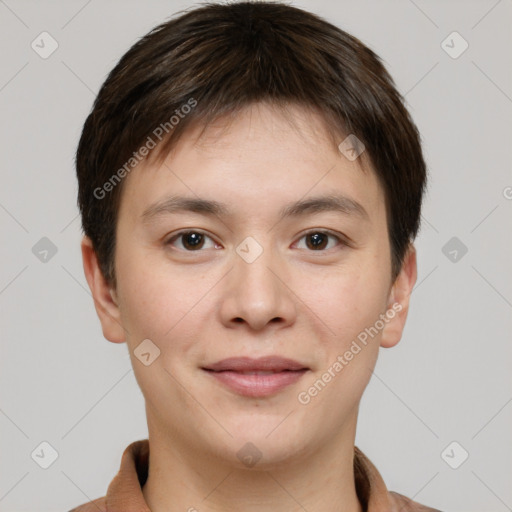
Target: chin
{"x": 265, "y": 453}
{"x": 276, "y": 439}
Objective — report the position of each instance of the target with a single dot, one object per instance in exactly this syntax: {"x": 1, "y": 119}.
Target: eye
{"x": 319, "y": 240}
{"x": 192, "y": 241}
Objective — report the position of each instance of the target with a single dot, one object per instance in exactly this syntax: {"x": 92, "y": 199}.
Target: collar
{"x": 124, "y": 493}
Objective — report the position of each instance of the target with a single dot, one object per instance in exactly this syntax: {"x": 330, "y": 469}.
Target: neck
{"x": 322, "y": 480}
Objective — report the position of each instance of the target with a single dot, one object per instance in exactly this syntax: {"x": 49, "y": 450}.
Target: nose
{"x": 256, "y": 294}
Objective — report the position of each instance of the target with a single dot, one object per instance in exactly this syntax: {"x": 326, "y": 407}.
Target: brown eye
{"x": 316, "y": 241}
{"x": 193, "y": 240}
{"x": 320, "y": 240}
{"x": 190, "y": 241}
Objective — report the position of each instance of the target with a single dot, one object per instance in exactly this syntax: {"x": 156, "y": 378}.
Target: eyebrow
{"x": 336, "y": 203}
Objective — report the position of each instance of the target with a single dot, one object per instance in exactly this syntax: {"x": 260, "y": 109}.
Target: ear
{"x": 398, "y": 301}
{"x": 105, "y": 300}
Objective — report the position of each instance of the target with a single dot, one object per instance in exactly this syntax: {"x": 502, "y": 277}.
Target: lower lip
{"x": 257, "y": 385}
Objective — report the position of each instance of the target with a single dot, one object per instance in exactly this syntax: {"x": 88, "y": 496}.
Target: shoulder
{"x": 405, "y": 504}
{"x": 97, "y": 505}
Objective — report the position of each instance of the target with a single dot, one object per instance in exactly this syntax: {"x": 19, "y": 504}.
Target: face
{"x": 280, "y": 259}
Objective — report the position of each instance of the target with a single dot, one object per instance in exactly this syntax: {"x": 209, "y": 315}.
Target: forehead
{"x": 278, "y": 128}
{"x": 260, "y": 157}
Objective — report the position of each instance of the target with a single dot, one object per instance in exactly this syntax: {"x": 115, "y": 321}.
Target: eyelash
{"x": 341, "y": 240}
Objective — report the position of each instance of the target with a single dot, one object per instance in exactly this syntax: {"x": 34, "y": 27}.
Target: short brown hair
{"x": 221, "y": 58}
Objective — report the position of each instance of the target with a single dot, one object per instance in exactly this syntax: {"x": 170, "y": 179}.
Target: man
{"x": 250, "y": 185}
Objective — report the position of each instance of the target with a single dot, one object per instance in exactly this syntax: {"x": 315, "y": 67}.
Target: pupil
{"x": 193, "y": 240}
{"x": 318, "y": 240}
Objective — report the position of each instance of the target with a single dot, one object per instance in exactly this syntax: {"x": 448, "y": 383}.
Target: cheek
{"x": 350, "y": 305}
{"x": 164, "y": 305}
{"x": 349, "y": 300}
{"x": 151, "y": 302}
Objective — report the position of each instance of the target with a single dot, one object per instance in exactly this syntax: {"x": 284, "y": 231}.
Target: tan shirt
{"x": 124, "y": 493}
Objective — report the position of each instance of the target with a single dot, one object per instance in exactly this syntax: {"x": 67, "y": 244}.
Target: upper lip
{"x": 247, "y": 364}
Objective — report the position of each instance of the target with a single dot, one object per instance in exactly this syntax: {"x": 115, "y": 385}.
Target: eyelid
{"x": 342, "y": 239}
{"x": 182, "y": 232}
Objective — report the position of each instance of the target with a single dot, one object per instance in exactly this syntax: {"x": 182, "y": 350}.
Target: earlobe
{"x": 104, "y": 296}
{"x": 398, "y": 302}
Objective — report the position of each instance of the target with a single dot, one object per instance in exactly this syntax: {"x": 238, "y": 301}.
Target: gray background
{"x": 449, "y": 378}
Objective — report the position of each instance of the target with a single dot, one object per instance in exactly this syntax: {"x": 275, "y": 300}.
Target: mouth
{"x": 261, "y": 377}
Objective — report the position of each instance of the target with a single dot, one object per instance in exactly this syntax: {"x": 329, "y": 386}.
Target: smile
{"x": 256, "y": 377}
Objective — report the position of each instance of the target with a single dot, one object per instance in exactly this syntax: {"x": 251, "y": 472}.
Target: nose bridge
{"x": 256, "y": 293}
{"x": 252, "y": 272}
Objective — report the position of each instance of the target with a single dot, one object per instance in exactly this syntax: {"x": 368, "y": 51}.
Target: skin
{"x": 208, "y": 304}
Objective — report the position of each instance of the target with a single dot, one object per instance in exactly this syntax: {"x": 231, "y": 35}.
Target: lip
{"x": 244, "y": 376}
